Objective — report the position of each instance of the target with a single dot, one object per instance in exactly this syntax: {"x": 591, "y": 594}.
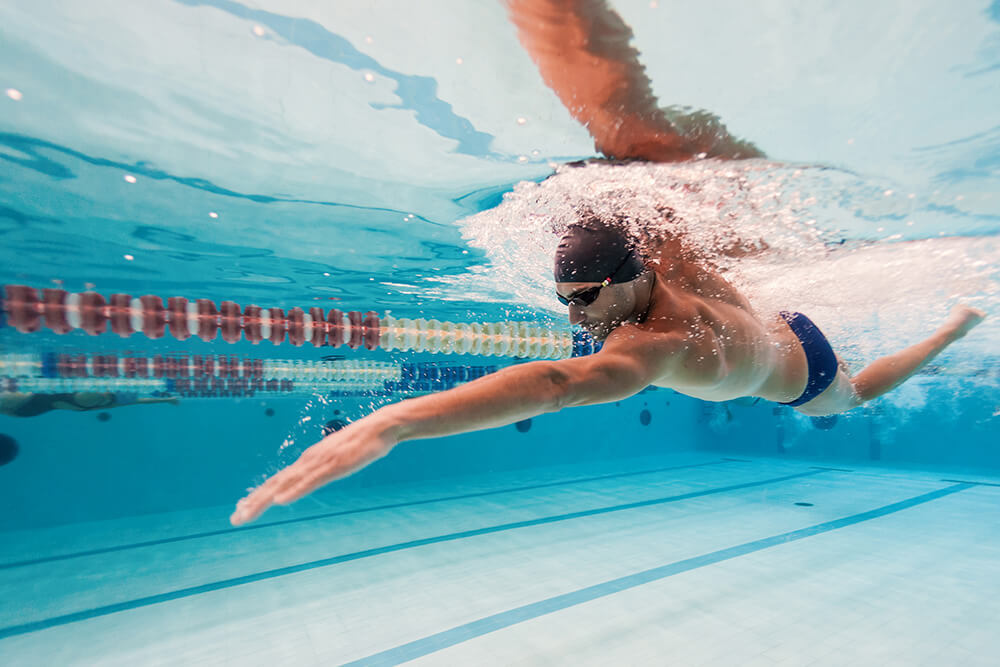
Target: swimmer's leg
{"x": 889, "y": 372}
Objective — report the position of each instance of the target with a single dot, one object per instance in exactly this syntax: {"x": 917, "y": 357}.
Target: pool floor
{"x": 690, "y": 559}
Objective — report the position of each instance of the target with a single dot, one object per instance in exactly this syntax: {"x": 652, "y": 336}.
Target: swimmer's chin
{"x": 598, "y": 334}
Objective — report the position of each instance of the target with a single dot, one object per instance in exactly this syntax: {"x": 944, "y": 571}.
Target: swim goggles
{"x": 587, "y": 295}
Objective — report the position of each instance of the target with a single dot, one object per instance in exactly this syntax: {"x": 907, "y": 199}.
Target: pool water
{"x": 408, "y": 160}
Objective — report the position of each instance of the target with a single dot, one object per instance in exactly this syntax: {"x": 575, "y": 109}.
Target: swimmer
{"x": 682, "y": 328}
{"x": 665, "y": 317}
{"x": 20, "y": 404}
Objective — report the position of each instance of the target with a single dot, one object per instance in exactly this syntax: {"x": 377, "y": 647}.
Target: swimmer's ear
{"x": 582, "y": 50}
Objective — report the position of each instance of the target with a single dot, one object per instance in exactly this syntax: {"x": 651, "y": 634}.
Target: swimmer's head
{"x": 598, "y": 273}
{"x": 594, "y": 251}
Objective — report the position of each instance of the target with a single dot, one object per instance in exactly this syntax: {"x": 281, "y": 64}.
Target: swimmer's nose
{"x": 576, "y": 315}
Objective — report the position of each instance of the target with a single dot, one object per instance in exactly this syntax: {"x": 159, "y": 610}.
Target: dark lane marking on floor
{"x": 963, "y": 481}
{"x": 833, "y": 469}
{"x": 488, "y": 624}
{"x": 12, "y": 630}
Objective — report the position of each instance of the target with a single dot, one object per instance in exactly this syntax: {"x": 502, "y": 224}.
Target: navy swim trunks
{"x": 819, "y": 355}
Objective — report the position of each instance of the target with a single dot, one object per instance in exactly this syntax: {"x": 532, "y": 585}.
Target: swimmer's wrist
{"x": 390, "y": 424}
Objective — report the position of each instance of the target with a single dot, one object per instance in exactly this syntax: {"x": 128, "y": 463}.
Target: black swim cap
{"x": 591, "y": 251}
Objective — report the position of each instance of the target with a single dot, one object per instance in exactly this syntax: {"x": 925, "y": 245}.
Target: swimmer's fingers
{"x": 334, "y": 457}
{"x": 253, "y": 505}
{"x": 263, "y": 497}
{"x": 337, "y": 457}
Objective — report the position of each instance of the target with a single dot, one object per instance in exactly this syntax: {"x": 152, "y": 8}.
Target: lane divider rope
{"x": 224, "y": 376}
{"x": 29, "y": 310}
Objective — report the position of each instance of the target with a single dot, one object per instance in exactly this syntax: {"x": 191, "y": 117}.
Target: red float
{"x": 371, "y": 329}
{"x": 120, "y": 312}
{"x": 229, "y": 320}
{"x": 23, "y": 308}
{"x": 251, "y": 324}
{"x": 277, "y": 325}
{"x": 318, "y": 338}
{"x": 177, "y": 317}
{"x": 90, "y": 312}
{"x": 106, "y": 366}
{"x": 62, "y": 365}
{"x": 54, "y": 307}
{"x": 335, "y": 328}
{"x": 357, "y": 335}
{"x": 78, "y": 366}
{"x": 154, "y": 318}
{"x": 93, "y": 313}
{"x": 296, "y": 327}
{"x": 208, "y": 320}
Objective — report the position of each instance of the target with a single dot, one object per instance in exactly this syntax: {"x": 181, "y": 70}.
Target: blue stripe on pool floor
{"x": 488, "y": 624}
{"x": 327, "y": 515}
{"x": 962, "y": 481}
{"x": 34, "y": 626}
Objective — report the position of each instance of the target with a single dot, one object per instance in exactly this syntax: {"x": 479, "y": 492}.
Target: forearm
{"x": 583, "y": 52}
{"x": 505, "y": 397}
{"x": 515, "y": 393}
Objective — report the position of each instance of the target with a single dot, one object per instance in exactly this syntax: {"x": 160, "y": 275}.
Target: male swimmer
{"x": 679, "y": 325}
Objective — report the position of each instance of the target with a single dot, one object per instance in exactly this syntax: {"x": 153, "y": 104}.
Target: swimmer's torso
{"x": 729, "y": 352}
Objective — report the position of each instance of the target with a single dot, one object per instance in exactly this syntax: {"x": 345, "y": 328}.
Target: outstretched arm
{"x": 582, "y": 50}
{"x": 624, "y": 367}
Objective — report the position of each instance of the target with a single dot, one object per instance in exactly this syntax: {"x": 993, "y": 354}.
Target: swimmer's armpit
{"x": 583, "y": 53}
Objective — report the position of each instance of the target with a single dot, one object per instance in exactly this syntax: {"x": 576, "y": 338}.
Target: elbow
{"x": 558, "y": 388}
{"x": 586, "y": 383}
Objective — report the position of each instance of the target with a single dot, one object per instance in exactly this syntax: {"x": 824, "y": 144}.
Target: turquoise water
{"x": 403, "y": 159}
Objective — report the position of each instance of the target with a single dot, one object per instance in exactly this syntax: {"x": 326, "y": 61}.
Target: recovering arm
{"x": 582, "y": 50}
{"x": 621, "y": 369}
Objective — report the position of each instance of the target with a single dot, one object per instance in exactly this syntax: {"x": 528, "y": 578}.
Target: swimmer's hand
{"x": 335, "y": 456}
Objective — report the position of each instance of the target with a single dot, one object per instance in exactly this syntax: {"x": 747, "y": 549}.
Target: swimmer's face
{"x": 613, "y": 305}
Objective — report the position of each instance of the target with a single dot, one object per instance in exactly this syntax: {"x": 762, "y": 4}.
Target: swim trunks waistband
{"x": 822, "y": 362}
